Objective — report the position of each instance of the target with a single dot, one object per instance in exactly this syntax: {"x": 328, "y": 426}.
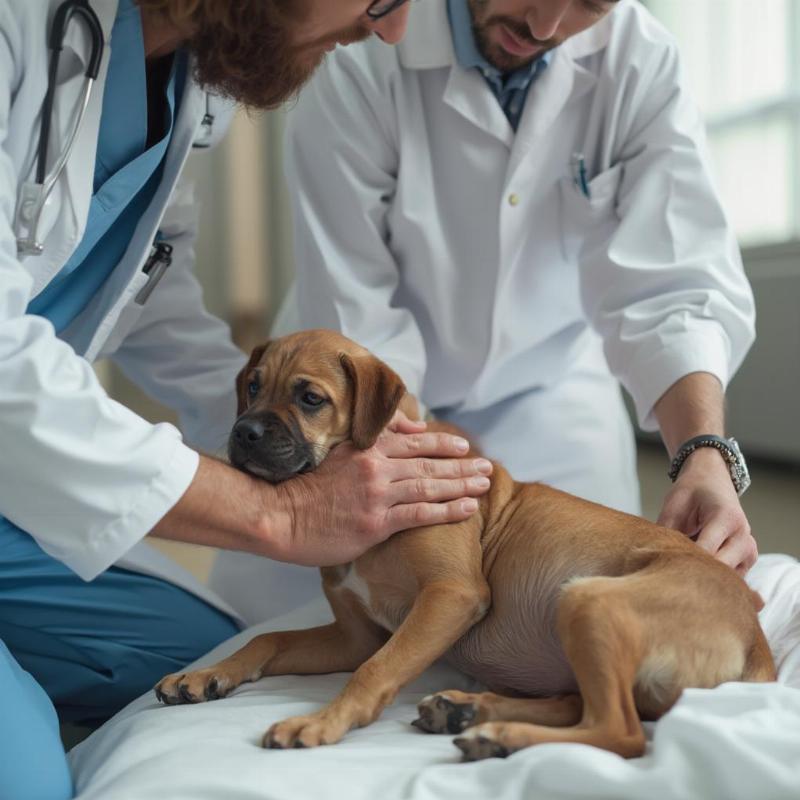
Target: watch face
{"x": 739, "y": 471}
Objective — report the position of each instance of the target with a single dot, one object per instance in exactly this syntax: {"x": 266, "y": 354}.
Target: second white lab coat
{"x": 466, "y": 256}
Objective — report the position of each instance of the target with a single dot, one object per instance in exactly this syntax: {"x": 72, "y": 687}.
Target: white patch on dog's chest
{"x": 359, "y": 587}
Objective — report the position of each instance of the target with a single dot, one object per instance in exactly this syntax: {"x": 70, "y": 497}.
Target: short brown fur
{"x": 583, "y": 620}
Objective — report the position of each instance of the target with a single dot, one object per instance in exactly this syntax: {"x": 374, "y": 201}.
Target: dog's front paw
{"x": 193, "y": 687}
{"x": 312, "y": 730}
{"x": 447, "y": 712}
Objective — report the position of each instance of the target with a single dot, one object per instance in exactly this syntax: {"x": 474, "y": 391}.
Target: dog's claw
{"x": 186, "y": 695}
{"x": 164, "y": 698}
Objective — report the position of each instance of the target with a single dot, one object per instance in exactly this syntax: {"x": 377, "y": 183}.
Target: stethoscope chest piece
{"x": 29, "y": 209}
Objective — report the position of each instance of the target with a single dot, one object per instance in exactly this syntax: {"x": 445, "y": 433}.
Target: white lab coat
{"x": 82, "y": 474}
{"x": 466, "y": 257}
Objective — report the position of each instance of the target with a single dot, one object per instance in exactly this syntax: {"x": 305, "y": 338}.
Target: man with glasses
{"x": 528, "y": 220}
{"x": 82, "y": 479}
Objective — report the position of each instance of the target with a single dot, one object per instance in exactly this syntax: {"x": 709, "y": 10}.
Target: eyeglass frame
{"x": 393, "y": 6}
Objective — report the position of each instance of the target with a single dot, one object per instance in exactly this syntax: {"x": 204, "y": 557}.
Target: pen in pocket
{"x": 578, "y": 164}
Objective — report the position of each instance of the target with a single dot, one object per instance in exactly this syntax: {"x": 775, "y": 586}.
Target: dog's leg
{"x": 442, "y": 612}
{"x": 339, "y": 647}
{"x": 454, "y": 711}
{"x": 603, "y": 640}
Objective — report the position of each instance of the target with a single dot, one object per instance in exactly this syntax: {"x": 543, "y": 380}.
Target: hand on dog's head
{"x": 301, "y": 395}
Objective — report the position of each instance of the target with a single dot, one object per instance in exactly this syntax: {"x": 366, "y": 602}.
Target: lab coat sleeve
{"x": 83, "y": 475}
{"x": 663, "y": 283}
{"x": 347, "y": 275}
{"x": 178, "y": 352}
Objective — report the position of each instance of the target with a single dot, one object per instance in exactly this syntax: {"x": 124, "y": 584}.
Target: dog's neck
{"x": 409, "y": 406}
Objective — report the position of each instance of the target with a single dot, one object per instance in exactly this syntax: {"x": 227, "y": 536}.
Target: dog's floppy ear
{"x": 241, "y": 378}
{"x": 377, "y": 391}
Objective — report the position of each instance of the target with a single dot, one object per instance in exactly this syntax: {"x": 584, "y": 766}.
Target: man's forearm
{"x": 692, "y": 406}
{"x": 225, "y": 508}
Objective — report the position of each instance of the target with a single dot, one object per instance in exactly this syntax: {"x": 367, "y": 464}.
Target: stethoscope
{"x": 34, "y": 194}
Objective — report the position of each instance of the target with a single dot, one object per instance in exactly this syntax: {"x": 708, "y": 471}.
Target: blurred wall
{"x": 244, "y": 250}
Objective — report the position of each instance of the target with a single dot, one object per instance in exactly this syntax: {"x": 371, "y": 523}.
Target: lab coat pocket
{"x": 584, "y": 217}
{"x": 128, "y": 315}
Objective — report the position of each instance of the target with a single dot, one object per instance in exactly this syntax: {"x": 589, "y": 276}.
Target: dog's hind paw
{"x": 439, "y": 713}
{"x": 476, "y": 747}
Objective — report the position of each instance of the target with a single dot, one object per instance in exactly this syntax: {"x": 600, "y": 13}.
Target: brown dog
{"x": 595, "y": 617}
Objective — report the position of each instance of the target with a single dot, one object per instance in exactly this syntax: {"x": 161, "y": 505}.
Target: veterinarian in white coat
{"x": 65, "y": 438}
{"x": 512, "y": 258}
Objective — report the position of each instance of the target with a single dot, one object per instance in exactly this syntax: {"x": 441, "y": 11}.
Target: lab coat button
{"x": 513, "y": 199}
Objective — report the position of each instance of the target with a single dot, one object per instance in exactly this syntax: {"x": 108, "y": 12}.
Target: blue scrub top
{"x": 126, "y": 174}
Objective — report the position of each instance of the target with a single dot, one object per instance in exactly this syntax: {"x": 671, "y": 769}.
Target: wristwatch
{"x": 728, "y": 449}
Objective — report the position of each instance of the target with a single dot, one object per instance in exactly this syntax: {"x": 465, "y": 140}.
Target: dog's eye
{"x": 252, "y": 388}
{"x": 312, "y": 399}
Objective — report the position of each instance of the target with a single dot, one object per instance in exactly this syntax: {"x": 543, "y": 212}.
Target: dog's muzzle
{"x": 265, "y": 446}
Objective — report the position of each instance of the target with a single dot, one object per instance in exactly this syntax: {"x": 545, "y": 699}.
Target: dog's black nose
{"x": 248, "y": 431}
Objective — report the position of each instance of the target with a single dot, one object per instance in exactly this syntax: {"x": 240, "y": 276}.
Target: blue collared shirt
{"x": 126, "y": 174}
{"x": 511, "y": 90}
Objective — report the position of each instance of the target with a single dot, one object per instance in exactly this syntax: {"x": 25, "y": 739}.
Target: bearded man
{"x": 103, "y": 269}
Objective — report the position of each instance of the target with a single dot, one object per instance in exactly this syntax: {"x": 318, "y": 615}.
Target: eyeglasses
{"x": 382, "y": 8}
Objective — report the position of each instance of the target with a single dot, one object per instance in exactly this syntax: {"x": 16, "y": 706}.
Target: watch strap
{"x": 728, "y": 449}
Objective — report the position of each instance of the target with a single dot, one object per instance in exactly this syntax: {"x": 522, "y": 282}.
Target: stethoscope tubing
{"x": 35, "y": 196}
{"x": 58, "y": 32}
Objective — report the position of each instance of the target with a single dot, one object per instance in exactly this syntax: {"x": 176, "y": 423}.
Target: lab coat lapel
{"x": 99, "y": 317}
{"x": 563, "y": 82}
{"x": 468, "y": 94}
{"x": 190, "y": 114}
{"x": 428, "y": 44}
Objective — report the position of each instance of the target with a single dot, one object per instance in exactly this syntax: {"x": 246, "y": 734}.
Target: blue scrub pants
{"x": 80, "y": 652}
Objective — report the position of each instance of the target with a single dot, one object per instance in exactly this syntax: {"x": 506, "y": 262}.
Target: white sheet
{"x": 736, "y": 742}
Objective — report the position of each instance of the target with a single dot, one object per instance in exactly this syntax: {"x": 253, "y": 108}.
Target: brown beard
{"x": 252, "y": 59}
{"x": 246, "y": 50}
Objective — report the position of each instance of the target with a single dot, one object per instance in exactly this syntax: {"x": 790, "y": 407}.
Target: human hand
{"x": 356, "y": 499}
{"x": 703, "y": 504}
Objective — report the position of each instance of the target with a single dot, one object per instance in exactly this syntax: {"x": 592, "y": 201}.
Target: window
{"x": 741, "y": 59}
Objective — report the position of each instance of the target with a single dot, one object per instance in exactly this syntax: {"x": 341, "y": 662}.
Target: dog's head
{"x": 301, "y": 395}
